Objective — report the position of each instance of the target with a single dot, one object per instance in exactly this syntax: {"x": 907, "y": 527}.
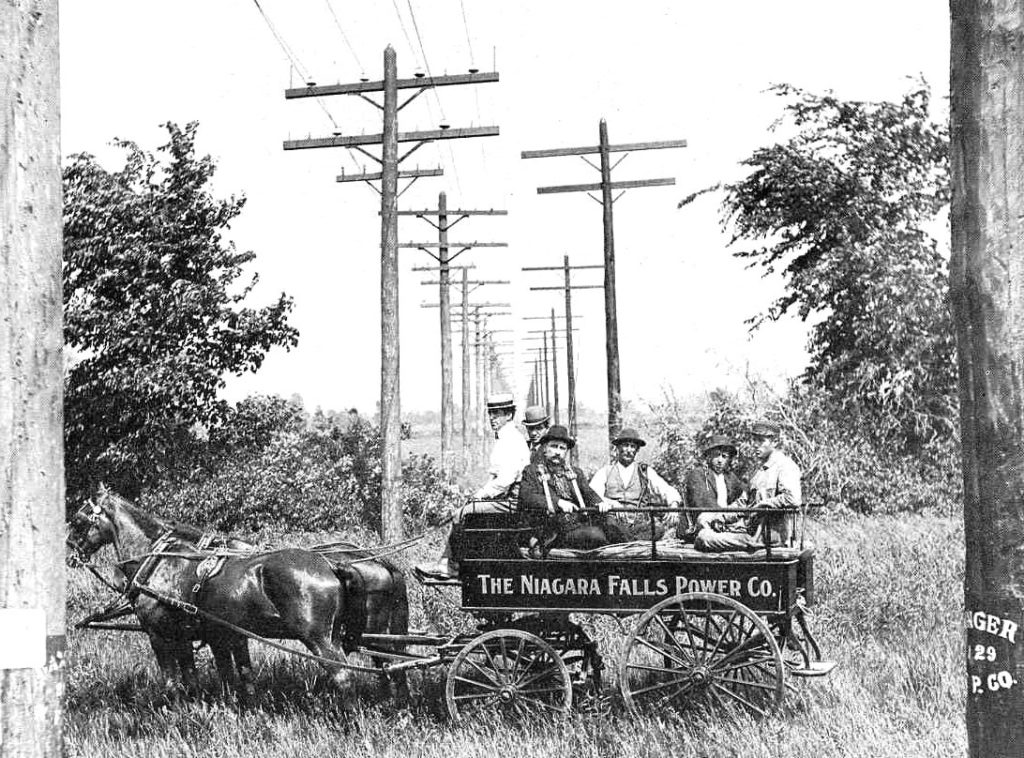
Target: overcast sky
{"x": 655, "y": 70}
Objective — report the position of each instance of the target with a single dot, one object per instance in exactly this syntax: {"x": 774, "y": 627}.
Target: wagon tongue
{"x": 122, "y": 606}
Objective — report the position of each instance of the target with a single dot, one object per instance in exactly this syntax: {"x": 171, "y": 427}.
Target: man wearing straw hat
{"x": 775, "y": 484}
{"x": 508, "y": 457}
{"x": 633, "y": 484}
{"x": 553, "y": 487}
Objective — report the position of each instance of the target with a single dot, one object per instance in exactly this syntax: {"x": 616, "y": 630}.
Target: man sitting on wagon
{"x": 536, "y": 421}
{"x": 552, "y": 490}
{"x": 709, "y": 486}
{"x": 508, "y": 456}
{"x": 633, "y": 484}
{"x": 775, "y": 484}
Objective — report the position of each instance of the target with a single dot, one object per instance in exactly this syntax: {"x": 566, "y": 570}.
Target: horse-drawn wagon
{"x": 712, "y": 630}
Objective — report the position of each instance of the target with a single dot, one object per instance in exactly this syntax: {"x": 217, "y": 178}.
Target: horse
{"x": 284, "y": 594}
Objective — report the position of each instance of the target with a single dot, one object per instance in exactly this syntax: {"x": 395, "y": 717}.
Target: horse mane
{"x": 153, "y": 526}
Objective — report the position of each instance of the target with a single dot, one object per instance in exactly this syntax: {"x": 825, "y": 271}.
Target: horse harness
{"x": 209, "y": 566}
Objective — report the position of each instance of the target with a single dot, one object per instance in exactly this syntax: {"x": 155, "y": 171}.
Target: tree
{"x": 845, "y": 208}
{"x": 153, "y": 310}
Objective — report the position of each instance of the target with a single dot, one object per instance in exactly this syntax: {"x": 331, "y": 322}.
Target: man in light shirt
{"x": 633, "y": 484}
{"x": 509, "y": 456}
{"x": 775, "y": 484}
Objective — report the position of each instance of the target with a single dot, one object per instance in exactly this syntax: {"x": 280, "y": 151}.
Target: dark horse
{"x": 283, "y": 594}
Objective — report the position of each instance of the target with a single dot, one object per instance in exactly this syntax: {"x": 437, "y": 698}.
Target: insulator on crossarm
{"x": 419, "y": 73}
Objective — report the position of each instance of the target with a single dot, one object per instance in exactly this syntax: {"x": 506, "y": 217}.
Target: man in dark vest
{"x": 775, "y": 484}
{"x": 711, "y": 485}
{"x": 633, "y": 484}
{"x": 553, "y": 488}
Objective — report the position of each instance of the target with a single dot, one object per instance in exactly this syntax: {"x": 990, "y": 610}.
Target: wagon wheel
{"x": 509, "y": 671}
{"x": 701, "y": 649}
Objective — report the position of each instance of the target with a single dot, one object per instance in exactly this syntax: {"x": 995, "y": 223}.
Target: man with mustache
{"x": 552, "y": 488}
{"x": 633, "y": 484}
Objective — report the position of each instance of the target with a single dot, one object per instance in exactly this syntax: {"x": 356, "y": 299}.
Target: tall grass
{"x": 889, "y": 601}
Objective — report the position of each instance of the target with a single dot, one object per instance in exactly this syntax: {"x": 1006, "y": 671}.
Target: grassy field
{"x": 890, "y": 603}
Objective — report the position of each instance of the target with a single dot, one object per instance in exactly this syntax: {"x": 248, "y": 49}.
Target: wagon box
{"x": 622, "y": 586}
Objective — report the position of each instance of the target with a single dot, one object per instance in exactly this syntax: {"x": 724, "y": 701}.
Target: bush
{"x": 270, "y": 467}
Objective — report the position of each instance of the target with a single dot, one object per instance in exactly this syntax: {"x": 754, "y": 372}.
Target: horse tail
{"x": 350, "y": 621}
{"x": 399, "y": 620}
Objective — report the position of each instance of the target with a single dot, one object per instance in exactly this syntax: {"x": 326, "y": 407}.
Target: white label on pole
{"x": 22, "y": 638}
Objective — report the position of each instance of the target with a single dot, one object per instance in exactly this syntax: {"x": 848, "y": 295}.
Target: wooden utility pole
{"x": 444, "y": 258}
{"x": 552, "y": 335}
{"x": 605, "y": 186}
{"x": 567, "y": 287}
{"x": 32, "y": 585}
{"x": 987, "y": 288}
{"x": 464, "y": 307}
{"x": 389, "y": 139}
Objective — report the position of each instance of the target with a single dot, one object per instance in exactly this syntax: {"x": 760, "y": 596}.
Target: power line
{"x": 469, "y": 42}
{"x": 296, "y": 64}
{"x": 401, "y": 22}
{"x": 344, "y": 36}
{"x": 437, "y": 98}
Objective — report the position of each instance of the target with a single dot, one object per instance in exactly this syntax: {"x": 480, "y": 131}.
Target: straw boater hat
{"x": 535, "y": 415}
{"x": 558, "y": 432}
{"x": 765, "y": 429}
{"x": 501, "y": 402}
{"x": 719, "y": 441}
{"x": 629, "y": 435}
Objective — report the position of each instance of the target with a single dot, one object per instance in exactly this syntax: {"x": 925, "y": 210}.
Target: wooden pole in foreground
{"x": 32, "y": 583}
{"x": 390, "y": 408}
{"x": 610, "y": 310}
{"x": 987, "y": 288}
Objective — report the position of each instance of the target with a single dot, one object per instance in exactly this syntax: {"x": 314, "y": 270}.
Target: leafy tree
{"x": 153, "y": 311}
{"x": 846, "y": 208}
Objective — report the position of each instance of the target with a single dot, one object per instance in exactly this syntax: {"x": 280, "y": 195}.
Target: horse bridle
{"x": 93, "y": 514}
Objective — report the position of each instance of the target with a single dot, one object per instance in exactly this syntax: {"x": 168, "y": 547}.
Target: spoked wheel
{"x": 701, "y": 650}
{"x": 507, "y": 671}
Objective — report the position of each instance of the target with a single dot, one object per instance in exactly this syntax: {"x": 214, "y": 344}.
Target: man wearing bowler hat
{"x": 712, "y": 485}
{"x": 508, "y": 457}
{"x": 633, "y": 484}
{"x": 552, "y": 486}
{"x": 775, "y": 484}
{"x": 536, "y": 421}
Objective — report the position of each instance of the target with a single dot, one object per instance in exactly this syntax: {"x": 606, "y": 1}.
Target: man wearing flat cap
{"x": 508, "y": 457}
{"x": 633, "y": 484}
{"x": 709, "y": 486}
{"x": 554, "y": 487}
{"x": 775, "y": 484}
